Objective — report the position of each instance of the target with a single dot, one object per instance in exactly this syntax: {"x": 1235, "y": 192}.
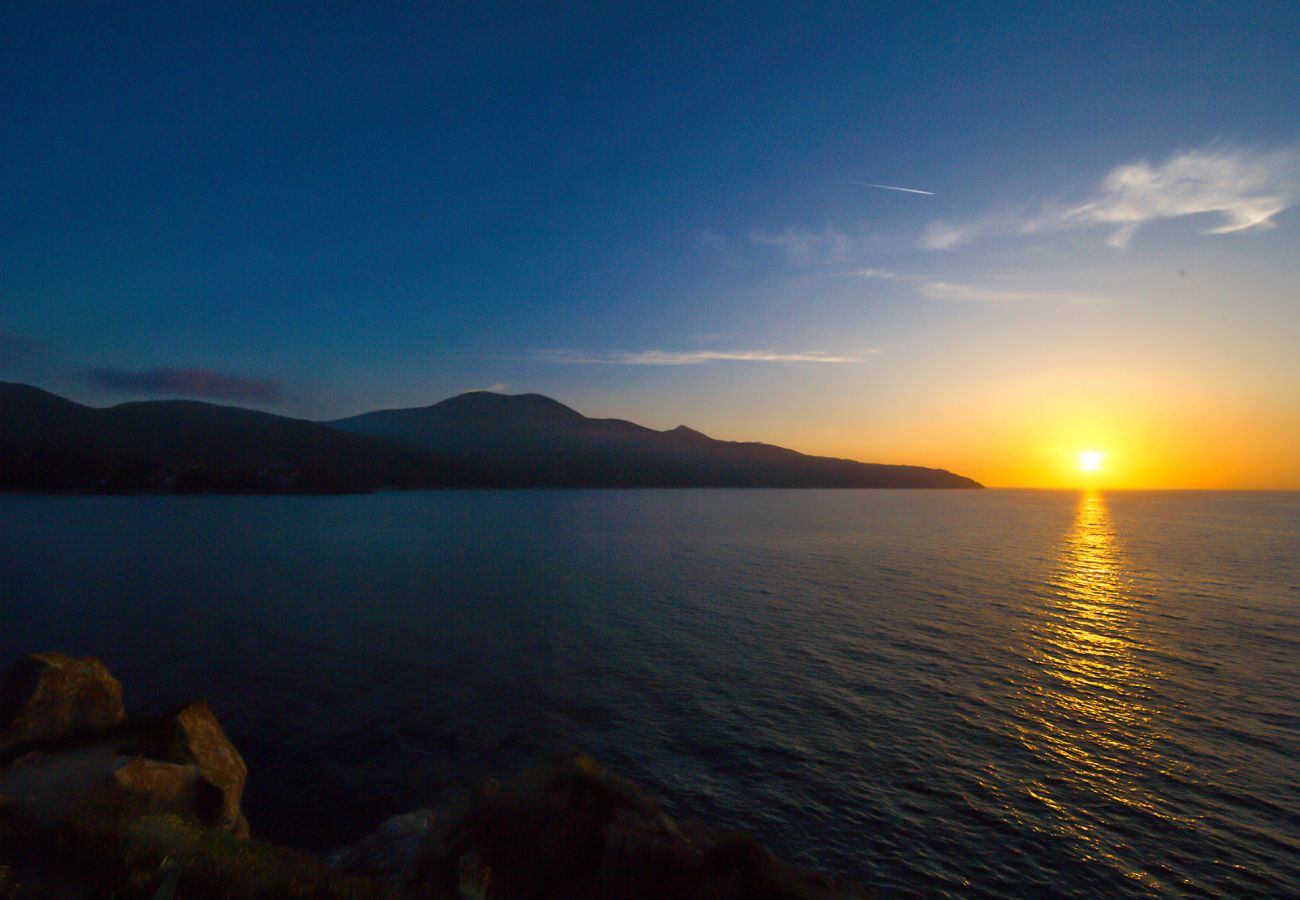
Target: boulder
{"x": 187, "y": 764}
{"x": 391, "y": 852}
{"x": 179, "y": 788}
{"x": 48, "y": 697}
{"x": 570, "y": 829}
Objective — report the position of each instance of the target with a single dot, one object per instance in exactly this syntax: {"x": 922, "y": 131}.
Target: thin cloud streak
{"x": 938, "y": 289}
{"x": 699, "y": 357}
{"x": 203, "y": 383}
{"x": 946, "y": 290}
{"x": 1246, "y": 189}
{"x": 890, "y": 187}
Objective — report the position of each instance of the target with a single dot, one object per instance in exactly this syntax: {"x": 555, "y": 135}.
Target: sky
{"x": 679, "y": 214}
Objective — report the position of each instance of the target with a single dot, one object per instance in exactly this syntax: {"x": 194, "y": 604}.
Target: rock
{"x": 171, "y": 786}
{"x": 48, "y": 697}
{"x": 50, "y": 785}
{"x": 192, "y": 734}
{"x": 179, "y": 788}
{"x": 570, "y": 829}
{"x": 181, "y": 763}
{"x": 187, "y": 765}
{"x": 390, "y": 853}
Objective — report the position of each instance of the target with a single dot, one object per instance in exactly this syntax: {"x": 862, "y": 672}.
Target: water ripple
{"x": 970, "y": 693}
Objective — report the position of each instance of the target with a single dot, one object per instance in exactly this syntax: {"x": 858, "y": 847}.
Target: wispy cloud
{"x": 940, "y": 289}
{"x": 710, "y": 238}
{"x": 1245, "y": 189}
{"x": 946, "y": 235}
{"x": 947, "y": 290}
{"x": 203, "y": 383}
{"x": 803, "y": 247}
{"x": 699, "y": 357}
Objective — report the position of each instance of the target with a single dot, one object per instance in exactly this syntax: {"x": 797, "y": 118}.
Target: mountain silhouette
{"x": 49, "y": 443}
{"x": 528, "y": 439}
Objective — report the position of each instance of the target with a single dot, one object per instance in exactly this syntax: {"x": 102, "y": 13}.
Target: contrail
{"x": 890, "y": 187}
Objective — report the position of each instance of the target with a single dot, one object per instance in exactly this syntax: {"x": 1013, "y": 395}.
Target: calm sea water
{"x": 997, "y": 692}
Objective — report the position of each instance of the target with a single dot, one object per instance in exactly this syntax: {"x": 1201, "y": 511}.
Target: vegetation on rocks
{"x": 150, "y": 808}
{"x": 569, "y": 828}
{"x": 128, "y": 849}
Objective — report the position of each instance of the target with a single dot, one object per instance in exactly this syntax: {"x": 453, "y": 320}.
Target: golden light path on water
{"x": 1089, "y": 706}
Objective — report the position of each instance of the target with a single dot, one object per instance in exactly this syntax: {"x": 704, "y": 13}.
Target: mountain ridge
{"x": 533, "y": 439}
{"x": 478, "y": 439}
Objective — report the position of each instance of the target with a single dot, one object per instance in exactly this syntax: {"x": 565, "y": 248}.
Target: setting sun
{"x": 1091, "y": 460}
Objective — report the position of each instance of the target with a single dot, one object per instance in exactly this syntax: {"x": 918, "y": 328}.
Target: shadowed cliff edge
{"x": 51, "y": 444}
{"x": 94, "y": 803}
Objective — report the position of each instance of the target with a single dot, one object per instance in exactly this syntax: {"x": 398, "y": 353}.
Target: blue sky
{"x": 656, "y": 211}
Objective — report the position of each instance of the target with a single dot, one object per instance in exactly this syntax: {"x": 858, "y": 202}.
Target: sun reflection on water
{"x": 1088, "y": 711}
{"x": 1087, "y": 641}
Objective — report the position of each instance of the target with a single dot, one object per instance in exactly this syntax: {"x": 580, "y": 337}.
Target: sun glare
{"x": 1091, "y": 460}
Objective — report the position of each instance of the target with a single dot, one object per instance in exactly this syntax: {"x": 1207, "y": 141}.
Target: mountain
{"x": 529, "y": 439}
{"x": 48, "y": 443}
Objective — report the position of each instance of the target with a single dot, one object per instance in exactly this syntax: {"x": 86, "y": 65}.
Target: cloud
{"x": 499, "y": 387}
{"x": 203, "y": 383}
{"x": 803, "y": 247}
{"x": 699, "y": 357}
{"x": 1244, "y": 188}
{"x": 943, "y": 235}
{"x": 947, "y": 290}
{"x": 882, "y": 275}
{"x": 938, "y": 289}
{"x": 710, "y": 238}
{"x": 15, "y": 350}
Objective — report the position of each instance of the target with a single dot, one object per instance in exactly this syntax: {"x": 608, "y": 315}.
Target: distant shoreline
{"x": 51, "y": 445}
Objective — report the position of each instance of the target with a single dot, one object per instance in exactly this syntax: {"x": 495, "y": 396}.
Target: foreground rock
{"x": 187, "y": 759}
{"x": 47, "y": 698}
{"x": 391, "y": 853}
{"x": 66, "y": 719}
{"x": 133, "y": 804}
{"x": 569, "y": 829}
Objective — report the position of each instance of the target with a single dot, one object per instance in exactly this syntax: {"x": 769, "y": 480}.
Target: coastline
{"x": 92, "y": 800}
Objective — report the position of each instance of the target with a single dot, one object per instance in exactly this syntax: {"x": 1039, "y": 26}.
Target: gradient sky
{"x": 667, "y": 214}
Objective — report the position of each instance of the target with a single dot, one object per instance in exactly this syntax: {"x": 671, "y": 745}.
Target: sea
{"x": 967, "y": 693}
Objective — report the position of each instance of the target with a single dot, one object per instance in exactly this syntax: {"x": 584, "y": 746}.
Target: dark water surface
{"x": 993, "y": 692}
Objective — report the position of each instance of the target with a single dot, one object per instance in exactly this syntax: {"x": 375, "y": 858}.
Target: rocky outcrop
{"x": 569, "y": 829}
{"x": 94, "y": 783}
{"x": 176, "y": 788}
{"x": 181, "y": 763}
{"x": 47, "y": 698}
{"x": 392, "y": 852}
{"x": 192, "y": 737}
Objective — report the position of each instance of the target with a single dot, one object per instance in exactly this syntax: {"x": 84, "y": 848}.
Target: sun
{"x": 1091, "y": 460}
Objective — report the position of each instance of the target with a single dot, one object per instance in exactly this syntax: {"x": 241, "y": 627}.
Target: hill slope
{"x": 48, "y": 443}
{"x": 529, "y": 439}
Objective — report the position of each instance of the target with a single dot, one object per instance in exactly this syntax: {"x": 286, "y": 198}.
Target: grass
{"x": 472, "y": 881}
{"x": 564, "y": 829}
{"x": 132, "y": 852}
